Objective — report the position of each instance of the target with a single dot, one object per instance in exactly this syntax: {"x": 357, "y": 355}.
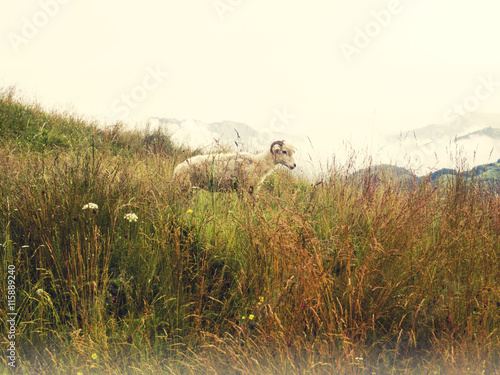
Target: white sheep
{"x": 233, "y": 171}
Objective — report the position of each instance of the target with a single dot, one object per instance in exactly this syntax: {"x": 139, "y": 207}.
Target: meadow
{"x": 119, "y": 272}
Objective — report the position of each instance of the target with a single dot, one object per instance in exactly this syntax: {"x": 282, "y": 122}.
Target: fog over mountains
{"x": 473, "y": 140}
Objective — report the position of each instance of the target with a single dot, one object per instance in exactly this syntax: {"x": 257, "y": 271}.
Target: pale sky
{"x": 331, "y": 68}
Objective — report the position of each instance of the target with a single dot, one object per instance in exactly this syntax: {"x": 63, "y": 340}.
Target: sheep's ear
{"x": 276, "y": 147}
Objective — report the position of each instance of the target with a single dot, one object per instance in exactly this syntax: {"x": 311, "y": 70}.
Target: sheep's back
{"x": 219, "y": 171}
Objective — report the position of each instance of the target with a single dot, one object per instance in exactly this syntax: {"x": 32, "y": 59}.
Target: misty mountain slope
{"x": 473, "y": 139}
{"x": 456, "y": 127}
{"x": 198, "y": 134}
{"x": 492, "y": 133}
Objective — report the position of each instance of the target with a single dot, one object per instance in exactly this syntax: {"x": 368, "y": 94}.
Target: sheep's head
{"x": 283, "y": 153}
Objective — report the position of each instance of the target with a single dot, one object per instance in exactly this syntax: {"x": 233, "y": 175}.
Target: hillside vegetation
{"x": 117, "y": 272}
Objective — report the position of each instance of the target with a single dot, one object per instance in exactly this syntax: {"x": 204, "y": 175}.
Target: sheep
{"x": 236, "y": 171}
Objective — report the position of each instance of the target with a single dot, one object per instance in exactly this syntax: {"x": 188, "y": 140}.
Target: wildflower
{"x": 131, "y": 217}
{"x": 243, "y": 317}
{"x": 189, "y": 211}
{"x": 261, "y": 299}
{"x": 94, "y": 356}
{"x": 39, "y": 292}
{"x": 90, "y": 206}
{"x": 251, "y": 316}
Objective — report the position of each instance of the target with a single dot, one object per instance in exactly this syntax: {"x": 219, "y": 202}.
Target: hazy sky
{"x": 328, "y": 68}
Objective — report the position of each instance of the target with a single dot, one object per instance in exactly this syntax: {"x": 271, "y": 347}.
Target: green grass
{"x": 350, "y": 276}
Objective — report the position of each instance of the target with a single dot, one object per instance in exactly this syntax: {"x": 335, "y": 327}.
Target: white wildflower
{"x": 131, "y": 217}
{"x": 90, "y": 206}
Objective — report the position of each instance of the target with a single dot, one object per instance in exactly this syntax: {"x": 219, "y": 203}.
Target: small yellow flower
{"x": 261, "y": 299}
{"x": 251, "y": 316}
{"x": 94, "y": 356}
{"x": 243, "y": 317}
{"x": 189, "y": 211}
{"x": 79, "y": 373}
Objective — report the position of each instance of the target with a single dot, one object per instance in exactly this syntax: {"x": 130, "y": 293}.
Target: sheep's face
{"x": 283, "y": 154}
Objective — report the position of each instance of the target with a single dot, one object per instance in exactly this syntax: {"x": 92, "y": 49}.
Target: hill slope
{"x": 29, "y": 126}
{"x": 118, "y": 271}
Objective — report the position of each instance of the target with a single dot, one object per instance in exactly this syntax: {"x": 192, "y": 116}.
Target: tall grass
{"x": 353, "y": 275}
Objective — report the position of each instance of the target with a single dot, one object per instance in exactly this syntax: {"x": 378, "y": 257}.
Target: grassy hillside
{"x": 347, "y": 277}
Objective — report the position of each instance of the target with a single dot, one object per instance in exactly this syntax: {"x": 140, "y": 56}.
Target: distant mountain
{"x": 476, "y": 133}
{"x": 473, "y": 139}
{"x": 385, "y": 173}
{"x": 489, "y": 174}
{"x": 458, "y": 127}
{"x": 198, "y": 134}
{"x": 492, "y": 133}
{"x": 390, "y": 171}
{"x": 490, "y": 171}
